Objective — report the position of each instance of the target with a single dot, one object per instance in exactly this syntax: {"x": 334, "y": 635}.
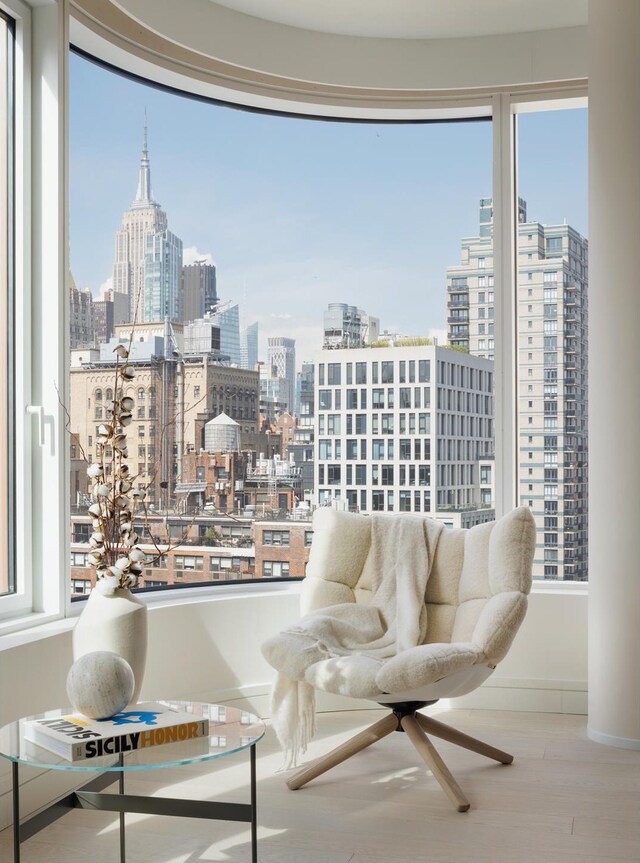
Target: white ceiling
{"x": 416, "y": 19}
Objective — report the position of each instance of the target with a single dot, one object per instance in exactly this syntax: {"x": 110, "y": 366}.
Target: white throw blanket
{"x": 397, "y": 568}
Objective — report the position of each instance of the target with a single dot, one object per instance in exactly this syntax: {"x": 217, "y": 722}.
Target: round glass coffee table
{"x": 230, "y": 730}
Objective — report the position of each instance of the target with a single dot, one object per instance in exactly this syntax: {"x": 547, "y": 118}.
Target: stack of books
{"x": 77, "y": 738}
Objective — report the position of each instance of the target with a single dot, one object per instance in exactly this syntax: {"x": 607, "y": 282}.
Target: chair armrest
{"x": 498, "y": 623}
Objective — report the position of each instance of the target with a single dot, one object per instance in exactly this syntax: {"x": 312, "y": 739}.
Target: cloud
{"x": 107, "y": 285}
{"x": 190, "y": 255}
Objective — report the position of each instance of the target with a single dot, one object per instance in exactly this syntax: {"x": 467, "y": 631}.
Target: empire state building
{"x": 148, "y": 257}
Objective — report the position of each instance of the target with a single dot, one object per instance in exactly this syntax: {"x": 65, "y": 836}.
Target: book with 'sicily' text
{"x": 77, "y": 738}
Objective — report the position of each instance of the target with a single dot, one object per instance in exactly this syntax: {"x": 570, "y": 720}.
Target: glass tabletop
{"x": 230, "y": 730}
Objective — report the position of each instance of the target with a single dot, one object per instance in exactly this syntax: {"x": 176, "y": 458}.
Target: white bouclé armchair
{"x": 476, "y": 598}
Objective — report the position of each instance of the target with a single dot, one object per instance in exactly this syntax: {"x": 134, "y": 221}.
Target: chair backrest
{"x": 476, "y": 589}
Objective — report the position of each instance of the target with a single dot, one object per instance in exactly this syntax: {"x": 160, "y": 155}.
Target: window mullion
{"x": 504, "y": 250}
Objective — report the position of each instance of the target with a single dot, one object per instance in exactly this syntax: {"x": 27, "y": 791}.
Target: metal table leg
{"x": 16, "y": 811}
{"x": 254, "y": 819}
{"x": 122, "y": 814}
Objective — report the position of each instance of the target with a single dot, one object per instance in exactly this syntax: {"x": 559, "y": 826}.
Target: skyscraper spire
{"x": 144, "y": 196}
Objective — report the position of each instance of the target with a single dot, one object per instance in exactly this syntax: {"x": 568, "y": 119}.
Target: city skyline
{"x": 289, "y": 225}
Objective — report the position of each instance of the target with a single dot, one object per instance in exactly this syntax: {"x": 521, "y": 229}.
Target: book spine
{"x": 123, "y": 743}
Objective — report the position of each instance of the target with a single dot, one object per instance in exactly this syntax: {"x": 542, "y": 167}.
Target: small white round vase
{"x": 100, "y": 684}
{"x": 116, "y": 623}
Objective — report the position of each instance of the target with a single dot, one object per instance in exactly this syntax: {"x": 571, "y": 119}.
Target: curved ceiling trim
{"x": 102, "y": 29}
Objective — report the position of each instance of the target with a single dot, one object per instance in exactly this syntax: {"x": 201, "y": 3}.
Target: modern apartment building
{"x": 405, "y": 429}
{"x": 552, "y": 322}
{"x": 281, "y": 359}
{"x": 348, "y": 327}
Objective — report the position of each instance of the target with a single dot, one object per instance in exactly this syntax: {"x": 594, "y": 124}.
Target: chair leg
{"x": 433, "y": 761}
{"x": 451, "y": 735}
{"x": 370, "y": 735}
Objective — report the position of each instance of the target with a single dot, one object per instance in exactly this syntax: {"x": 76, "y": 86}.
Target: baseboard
{"x": 612, "y": 739}
{"x": 538, "y": 696}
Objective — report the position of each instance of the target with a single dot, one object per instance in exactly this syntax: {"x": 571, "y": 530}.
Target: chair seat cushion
{"x": 425, "y": 664}
{"x": 361, "y": 676}
{"x": 354, "y": 675}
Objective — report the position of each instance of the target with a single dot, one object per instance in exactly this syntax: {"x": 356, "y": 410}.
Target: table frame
{"x": 91, "y": 796}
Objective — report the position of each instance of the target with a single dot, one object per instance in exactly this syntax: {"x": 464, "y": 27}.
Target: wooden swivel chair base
{"x": 404, "y": 717}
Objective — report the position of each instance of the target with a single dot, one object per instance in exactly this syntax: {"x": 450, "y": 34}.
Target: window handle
{"x": 37, "y": 410}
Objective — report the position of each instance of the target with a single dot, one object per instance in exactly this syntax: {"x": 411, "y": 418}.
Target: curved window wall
{"x": 283, "y": 286}
{"x": 426, "y": 193}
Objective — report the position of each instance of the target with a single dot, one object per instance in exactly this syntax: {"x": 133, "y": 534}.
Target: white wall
{"x": 209, "y": 649}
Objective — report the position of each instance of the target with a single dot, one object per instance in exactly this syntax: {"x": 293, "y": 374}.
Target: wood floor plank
{"x": 565, "y": 799}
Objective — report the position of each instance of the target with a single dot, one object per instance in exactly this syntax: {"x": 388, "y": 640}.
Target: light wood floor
{"x": 563, "y": 800}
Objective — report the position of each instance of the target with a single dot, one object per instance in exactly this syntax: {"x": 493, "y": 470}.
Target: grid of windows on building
{"x": 421, "y": 443}
{"x": 552, "y": 324}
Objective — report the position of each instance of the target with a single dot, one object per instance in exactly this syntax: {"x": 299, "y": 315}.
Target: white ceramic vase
{"x": 117, "y": 623}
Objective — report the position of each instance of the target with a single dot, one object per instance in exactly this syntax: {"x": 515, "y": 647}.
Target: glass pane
{"x": 553, "y": 317}
{"x": 289, "y": 281}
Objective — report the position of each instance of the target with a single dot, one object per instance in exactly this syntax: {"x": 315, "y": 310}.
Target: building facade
{"x": 403, "y": 429}
{"x": 281, "y": 359}
{"x": 142, "y": 220}
{"x": 249, "y": 346}
{"x": 81, "y": 330}
{"x": 552, "y": 329}
{"x": 162, "y": 270}
{"x": 108, "y": 313}
{"x": 228, "y": 320}
{"x": 198, "y": 290}
{"x": 174, "y": 399}
{"x": 348, "y": 327}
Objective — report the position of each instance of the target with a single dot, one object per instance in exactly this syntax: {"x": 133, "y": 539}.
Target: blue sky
{"x": 297, "y": 213}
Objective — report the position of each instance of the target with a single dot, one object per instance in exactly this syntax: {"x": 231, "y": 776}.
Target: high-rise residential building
{"x": 228, "y": 319}
{"x": 552, "y": 321}
{"x": 249, "y": 346}
{"x": 405, "y": 429}
{"x": 80, "y": 316}
{"x": 198, "y": 290}
{"x": 134, "y": 251}
{"x": 348, "y": 327}
{"x": 281, "y": 357}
